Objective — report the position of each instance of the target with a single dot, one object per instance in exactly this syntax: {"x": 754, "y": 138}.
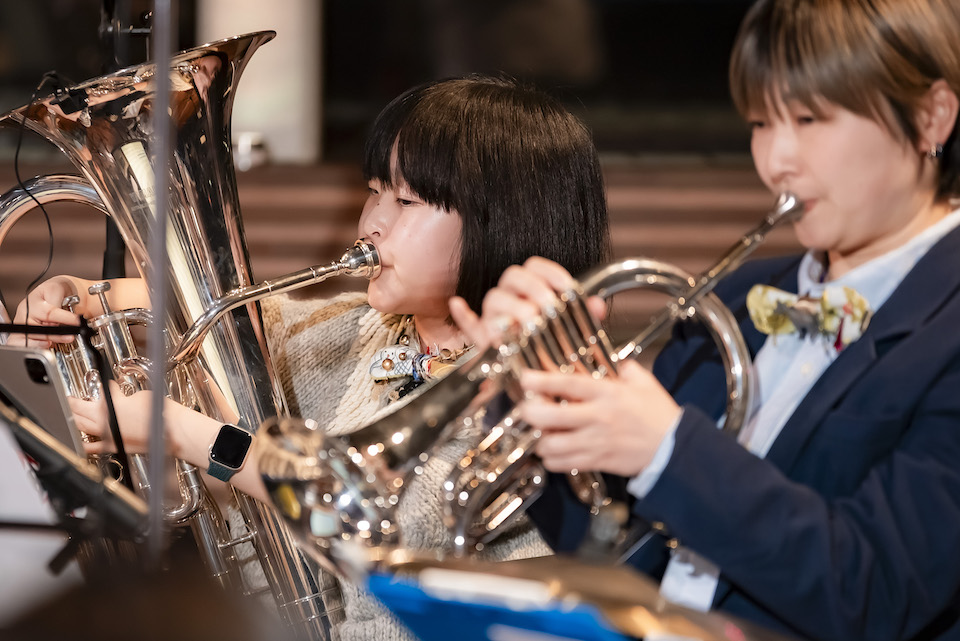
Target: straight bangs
{"x": 425, "y": 133}
{"x": 382, "y": 139}
{"x": 429, "y": 147}
{"x": 819, "y": 53}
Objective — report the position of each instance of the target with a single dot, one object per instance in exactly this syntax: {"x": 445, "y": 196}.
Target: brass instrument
{"x": 492, "y": 484}
{"x": 104, "y": 131}
{"x": 338, "y": 492}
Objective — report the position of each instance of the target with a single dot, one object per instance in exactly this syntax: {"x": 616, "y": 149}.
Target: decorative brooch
{"x": 404, "y": 360}
{"x": 841, "y": 313}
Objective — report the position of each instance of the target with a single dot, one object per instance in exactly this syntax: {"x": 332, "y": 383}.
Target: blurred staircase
{"x": 685, "y": 212}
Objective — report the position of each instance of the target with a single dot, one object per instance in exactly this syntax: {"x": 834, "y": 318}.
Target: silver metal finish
{"x": 339, "y": 493}
{"x": 109, "y": 140}
{"x": 360, "y": 260}
{"x": 493, "y": 484}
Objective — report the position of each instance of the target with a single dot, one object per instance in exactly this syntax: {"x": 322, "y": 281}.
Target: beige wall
{"x": 279, "y": 93}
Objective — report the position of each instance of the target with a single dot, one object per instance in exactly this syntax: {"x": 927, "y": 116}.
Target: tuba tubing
{"x": 78, "y": 369}
{"x": 109, "y": 139}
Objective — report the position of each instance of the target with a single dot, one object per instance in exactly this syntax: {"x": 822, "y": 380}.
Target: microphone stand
{"x": 115, "y": 46}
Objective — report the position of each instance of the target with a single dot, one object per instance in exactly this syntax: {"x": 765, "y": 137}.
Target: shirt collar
{"x": 876, "y": 279}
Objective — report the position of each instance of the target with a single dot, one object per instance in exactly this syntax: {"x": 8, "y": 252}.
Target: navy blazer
{"x": 850, "y": 527}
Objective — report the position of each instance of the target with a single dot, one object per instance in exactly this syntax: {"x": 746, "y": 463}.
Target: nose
{"x": 375, "y": 219}
{"x": 369, "y": 229}
{"x": 775, "y": 155}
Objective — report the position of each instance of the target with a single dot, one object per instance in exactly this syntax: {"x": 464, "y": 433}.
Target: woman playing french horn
{"x": 838, "y": 515}
{"x": 464, "y": 177}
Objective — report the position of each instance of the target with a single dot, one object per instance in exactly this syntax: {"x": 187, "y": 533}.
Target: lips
{"x": 808, "y": 204}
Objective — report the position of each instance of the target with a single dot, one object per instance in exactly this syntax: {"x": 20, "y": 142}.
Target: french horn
{"x": 494, "y": 482}
{"x": 340, "y": 493}
{"x": 217, "y": 352}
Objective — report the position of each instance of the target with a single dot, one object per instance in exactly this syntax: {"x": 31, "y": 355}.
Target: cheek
{"x": 441, "y": 269}
{"x": 758, "y": 151}
{"x": 441, "y": 266}
{"x": 452, "y": 262}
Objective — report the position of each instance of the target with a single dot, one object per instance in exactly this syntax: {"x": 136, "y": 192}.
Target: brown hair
{"x": 875, "y": 58}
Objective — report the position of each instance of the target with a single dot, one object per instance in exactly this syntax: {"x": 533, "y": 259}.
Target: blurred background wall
{"x": 647, "y": 76}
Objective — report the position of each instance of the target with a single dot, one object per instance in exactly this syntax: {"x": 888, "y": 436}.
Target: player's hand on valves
{"x": 133, "y": 419}
{"x": 520, "y": 297}
{"x": 609, "y": 425}
{"x": 612, "y": 425}
{"x": 44, "y": 306}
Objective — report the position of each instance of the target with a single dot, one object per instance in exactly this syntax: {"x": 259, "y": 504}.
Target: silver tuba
{"x": 217, "y": 350}
{"x": 340, "y": 491}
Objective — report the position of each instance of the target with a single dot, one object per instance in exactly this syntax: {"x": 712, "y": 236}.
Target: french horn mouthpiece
{"x": 789, "y": 208}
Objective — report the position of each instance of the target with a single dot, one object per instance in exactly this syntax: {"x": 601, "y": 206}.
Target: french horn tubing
{"x": 339, "y": 493}
{"x": 495, "y": 481}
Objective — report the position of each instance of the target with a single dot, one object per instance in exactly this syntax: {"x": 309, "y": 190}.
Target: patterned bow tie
{"x": 841, "y": 314}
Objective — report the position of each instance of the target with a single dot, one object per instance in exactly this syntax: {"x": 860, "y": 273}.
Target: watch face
{"x": 231, "y": 446}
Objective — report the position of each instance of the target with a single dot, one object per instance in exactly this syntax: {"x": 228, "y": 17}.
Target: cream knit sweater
{"x": 322, "y": 351}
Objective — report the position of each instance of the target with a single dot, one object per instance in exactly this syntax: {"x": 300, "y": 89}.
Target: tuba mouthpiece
{"x": 361, "y": 260}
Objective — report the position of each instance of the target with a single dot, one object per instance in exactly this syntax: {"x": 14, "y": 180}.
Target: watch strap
{"x": 219, "y": 470}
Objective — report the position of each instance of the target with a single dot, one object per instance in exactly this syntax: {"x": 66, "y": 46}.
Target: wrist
{"x": 189, "y": 433}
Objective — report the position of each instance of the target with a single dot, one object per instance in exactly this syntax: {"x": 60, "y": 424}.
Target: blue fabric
{"x": 849, "y": 528}
{"x": 440, "y": 619}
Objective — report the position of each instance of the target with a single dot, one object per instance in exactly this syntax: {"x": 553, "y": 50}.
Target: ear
{"x": 937, "y": 115}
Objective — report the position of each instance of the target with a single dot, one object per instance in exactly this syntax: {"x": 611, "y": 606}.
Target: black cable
{"x": 56, "y": 80}
{"x": 121, "y": 455}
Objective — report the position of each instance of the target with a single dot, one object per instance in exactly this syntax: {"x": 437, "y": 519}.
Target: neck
{"x": 843, "y": 261}
{"x": 438, "y": 331}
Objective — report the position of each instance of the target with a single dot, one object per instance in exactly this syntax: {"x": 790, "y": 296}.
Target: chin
{"x": 376, "y": 299}
{"x": 810, "y": 236}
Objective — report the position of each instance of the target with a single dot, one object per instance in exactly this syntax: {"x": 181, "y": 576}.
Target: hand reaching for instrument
{"x": 189, "y": 434}
{"x": 521, "y": 295}
{"x": 186, "y": 431}
{"x": 608, "y": 425}
{"x": 44, "y": 305}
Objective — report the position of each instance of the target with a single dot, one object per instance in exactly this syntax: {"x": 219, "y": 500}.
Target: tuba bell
{"x": 217, "y": 351}
{"x": 339, "y": 493}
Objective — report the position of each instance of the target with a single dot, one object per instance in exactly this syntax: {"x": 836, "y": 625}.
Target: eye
{"x": 806, "y": 119}
{"x": 756, "y": 124}
{"x": 403, "y": 202}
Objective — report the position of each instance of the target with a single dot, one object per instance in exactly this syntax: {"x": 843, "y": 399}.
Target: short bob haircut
{"x": 520, "y": 170}
{"x": 875, "y": 58}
